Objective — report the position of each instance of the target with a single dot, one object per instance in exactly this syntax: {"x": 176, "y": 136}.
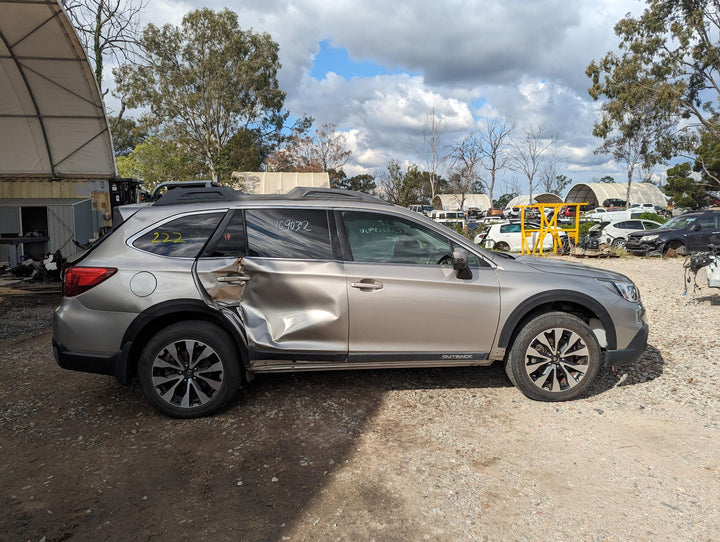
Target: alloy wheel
{"x": 557, "y": 359}
{"x": 187, "y": 373}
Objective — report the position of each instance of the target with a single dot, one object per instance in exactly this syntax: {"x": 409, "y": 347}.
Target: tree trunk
{"x": 629, "y": 186}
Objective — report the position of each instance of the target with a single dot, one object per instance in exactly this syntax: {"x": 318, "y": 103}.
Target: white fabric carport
{"x": 546, "y": 197}
{"x": 596, "y": 193}
{"x": 451, "y": 202}
{"x": 52, "y": 119}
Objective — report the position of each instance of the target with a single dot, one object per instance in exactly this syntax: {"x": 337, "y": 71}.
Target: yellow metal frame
{"x": 550, "y": 226}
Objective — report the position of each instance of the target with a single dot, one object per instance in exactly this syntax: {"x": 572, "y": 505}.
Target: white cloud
{"x": 521, "y": 61}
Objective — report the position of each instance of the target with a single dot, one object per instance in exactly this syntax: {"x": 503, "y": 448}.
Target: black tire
{"x": 502, "y": 246}
{"x": 566, "y": 363}
{"x": 190, "y": 369}
{"x": 618, "y": 243}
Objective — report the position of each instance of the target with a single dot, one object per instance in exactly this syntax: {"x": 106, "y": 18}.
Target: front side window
{"x": 288, "y": 233}
{"x": 380, "y": 238}
{"x": 180, "y": 238}
{"x": 679, "y": 222}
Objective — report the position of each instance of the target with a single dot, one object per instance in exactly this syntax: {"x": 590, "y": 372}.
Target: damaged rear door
{"x": 274, "y": 273}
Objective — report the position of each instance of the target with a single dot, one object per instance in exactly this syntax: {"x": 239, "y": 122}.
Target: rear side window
{"x": 301, "y": 234}
{"x": 180, "y": 238}
{"x": 510, "y": 228}
{"x": 708, "y": 221}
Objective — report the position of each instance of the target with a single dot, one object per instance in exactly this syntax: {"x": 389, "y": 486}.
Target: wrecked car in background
{"x": 689, "y": 232}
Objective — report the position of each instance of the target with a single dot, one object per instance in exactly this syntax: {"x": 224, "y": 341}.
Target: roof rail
{"x": 200, "y": 194}
{"x": 180, "y": 195}
{"x": 309, "y": 192}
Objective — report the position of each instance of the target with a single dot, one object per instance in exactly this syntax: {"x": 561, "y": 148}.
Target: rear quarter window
{"x": 182, "y": 237}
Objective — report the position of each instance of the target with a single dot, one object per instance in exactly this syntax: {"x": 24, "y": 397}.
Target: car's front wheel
{"x": 189, "y": 369}
{"x": 618, "y": 243}
{"x": 555, "y": 357}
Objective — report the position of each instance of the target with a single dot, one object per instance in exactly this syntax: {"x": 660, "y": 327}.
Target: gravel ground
{"x": 438, "y": 454}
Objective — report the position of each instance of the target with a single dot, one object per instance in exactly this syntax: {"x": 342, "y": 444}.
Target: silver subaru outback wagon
{"x": 194, "y": 294}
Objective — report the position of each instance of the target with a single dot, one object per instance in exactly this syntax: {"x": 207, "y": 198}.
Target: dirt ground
{"x": 432, "y": 454}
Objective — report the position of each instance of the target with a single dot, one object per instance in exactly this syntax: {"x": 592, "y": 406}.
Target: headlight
{"x": 649, "y": 238}
{"x": 628, "y": 290}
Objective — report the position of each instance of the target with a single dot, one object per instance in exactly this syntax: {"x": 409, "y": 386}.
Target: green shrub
{"x": 584, "y": 229}
{"x": 654, "y": 216}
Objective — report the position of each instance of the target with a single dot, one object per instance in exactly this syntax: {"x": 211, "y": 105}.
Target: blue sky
{"x": 376, "y": 70}
{"x": 337, "y": 60}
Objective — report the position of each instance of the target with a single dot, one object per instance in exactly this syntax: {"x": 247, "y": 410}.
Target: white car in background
{"x": 449, "y": 218}
{"x": 508, "y": 237}
{"x": 644, "y": 207}
{"x": 616, "y": 233}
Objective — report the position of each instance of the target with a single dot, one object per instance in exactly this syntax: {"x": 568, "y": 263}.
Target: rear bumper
{"x": 630, "y": 354}
{"x": 115, "y": 365}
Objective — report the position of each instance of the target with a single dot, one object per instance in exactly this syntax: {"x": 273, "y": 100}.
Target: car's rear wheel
{"x": 555, "y": 357}
{"x": 189, "y": 369}
{"x": 503, "y": 246}
{"x": 618, "y": 243}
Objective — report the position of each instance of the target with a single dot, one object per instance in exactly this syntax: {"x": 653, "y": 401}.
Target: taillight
{"x": 80, "y": 279}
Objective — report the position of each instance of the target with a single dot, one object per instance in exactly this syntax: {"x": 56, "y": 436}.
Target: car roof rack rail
{"x": 310, "y": 192}
{"x": 200, "y": 194}
{"x": 180, "y": 195}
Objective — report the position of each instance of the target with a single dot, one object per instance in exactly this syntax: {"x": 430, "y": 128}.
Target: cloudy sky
{"x": 377, "y": 68}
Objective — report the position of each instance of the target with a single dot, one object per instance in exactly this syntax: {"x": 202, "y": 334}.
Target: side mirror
{"x": 695, "y": 227}
{"x": 460, "y": 263}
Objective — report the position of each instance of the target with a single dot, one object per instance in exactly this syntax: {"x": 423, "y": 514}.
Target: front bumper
{"x": 115, "y": 365}
{"x": 641, "y": 247}
{"x": 632, "y": 353}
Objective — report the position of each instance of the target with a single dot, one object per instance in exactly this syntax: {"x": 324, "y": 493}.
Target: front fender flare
{"x": 555, "y": 297}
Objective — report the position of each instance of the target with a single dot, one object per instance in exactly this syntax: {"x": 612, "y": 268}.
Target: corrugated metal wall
{"x": 61, "y": 226}
{"x": 9, "y": 223}
{"x": 84, "y": 228}
{"x": 65, "y": 223}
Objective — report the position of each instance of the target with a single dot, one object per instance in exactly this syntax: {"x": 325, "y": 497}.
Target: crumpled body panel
{"x": 285, "y": 305}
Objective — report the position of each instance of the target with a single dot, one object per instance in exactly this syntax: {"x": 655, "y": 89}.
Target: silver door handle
{"x": 366, "y": 285}
{"x": 233, "y": 279}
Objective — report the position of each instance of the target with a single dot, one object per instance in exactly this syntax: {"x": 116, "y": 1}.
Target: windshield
{"x": 679, "y": 222}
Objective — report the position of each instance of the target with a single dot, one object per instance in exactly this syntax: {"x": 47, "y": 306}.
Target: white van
{"x": 448, "y": 218}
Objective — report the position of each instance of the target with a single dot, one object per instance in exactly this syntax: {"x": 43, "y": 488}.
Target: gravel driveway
{"x": 453, "y": 454}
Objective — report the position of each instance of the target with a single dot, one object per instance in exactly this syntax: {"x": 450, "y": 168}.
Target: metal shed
{"x": 59, "y": 220}
{"x": 57, "y": 165}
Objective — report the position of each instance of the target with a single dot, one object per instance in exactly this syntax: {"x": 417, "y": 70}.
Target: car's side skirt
{"x": 372, "y": 361}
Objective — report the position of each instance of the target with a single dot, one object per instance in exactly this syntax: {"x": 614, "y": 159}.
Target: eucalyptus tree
{"x": 206, "y": 79}
{"x": 664, "y": 78}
